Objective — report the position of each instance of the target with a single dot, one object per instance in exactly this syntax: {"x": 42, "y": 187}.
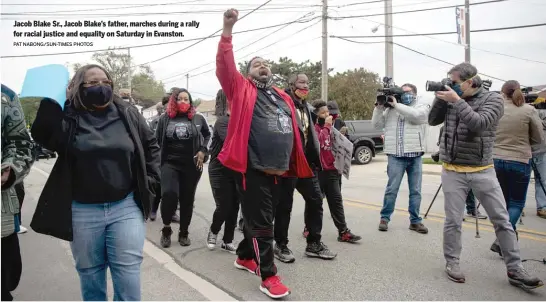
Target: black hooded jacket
{"x": 55, "y": 129}
{"x": 312, "y": 148}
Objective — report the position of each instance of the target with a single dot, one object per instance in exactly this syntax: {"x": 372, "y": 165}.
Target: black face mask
{"x": 125, "y": 97}
{"x": 321, "y": 121}
{"x": 96, "y": 95}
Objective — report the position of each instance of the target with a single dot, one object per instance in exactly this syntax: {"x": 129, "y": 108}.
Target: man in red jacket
{"x": 309, "y": 188}
{"x": 261, "y": 146}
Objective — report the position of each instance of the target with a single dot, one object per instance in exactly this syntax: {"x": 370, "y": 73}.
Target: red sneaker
{"x": 274, "y": 288}
{"x": 248, "y": 265}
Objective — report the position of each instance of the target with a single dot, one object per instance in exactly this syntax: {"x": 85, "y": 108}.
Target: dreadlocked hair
{"x": 221, "y": 105}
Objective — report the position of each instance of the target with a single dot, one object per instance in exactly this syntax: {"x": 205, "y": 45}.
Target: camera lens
{"x": 434, "y": 86}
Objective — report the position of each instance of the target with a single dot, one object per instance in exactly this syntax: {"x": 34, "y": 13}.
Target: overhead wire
{"x": 457, "y": 44}
{"x": 450, "y": 32}
{"x": 241, "y": 10}
{"x": 87, "y": 15}
{"x": 423, "y": 54}
{"x": 243, "y": 47}
{"x": 98, "y": 9}
{"x": 200, "y": 41}
{"x": 416, "y": 10}
{"x": 267, "y": 46}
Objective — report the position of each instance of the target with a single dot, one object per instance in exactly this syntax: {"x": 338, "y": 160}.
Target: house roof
{"x": 207, "y": 106}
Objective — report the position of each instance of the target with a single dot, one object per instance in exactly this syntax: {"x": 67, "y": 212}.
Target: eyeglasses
{"x": 95, "y": 83}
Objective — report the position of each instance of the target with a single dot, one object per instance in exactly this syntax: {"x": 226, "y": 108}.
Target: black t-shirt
{"x": 104, "y": 154}
{"x": 179, "y": 141}
{"x": 271, "y": 133}
{"x": 219, "y": 136}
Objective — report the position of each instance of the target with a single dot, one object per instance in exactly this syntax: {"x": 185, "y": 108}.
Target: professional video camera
{"x": 388, "y": 90}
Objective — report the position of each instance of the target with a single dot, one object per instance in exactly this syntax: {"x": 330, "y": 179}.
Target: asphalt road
{"x": 396, "y": 265}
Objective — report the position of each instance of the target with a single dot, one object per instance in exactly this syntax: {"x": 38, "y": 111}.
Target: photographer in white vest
{"x": 402, "y": 120}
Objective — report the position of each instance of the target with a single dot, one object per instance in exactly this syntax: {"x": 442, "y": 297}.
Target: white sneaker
{"x": 22, "y": 230}
{"x": 211, "y": 241}
{"x": 229, "y": 247}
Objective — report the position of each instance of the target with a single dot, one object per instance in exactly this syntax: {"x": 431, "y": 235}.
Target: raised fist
{"x": 230, "y": 17}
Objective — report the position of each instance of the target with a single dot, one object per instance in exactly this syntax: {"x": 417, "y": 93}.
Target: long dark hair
{"x": 75, "y": 85}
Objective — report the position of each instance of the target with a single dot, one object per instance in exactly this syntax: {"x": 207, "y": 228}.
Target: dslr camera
{"x": 388, "y": 90}
{"x": 438, "y": 86}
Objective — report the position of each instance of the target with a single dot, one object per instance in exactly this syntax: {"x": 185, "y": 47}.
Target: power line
{"x": 415, "y": 10}
{"x": 449, "y": 32}
{"x": 190, "y": 2}
{"x": 457, "y": 44}
{"x": 243, "y": 47}
{"x": 97, "y": 9}
{"x": 169, "y": 55}
{"x": 149, "y": 45}
{"x": 425, "y": 55}
{"x": 54, "y": 14}
{"x": 269, "y": 45}
{"x": 114, "y": 4}
{"x": 253, "y": 52}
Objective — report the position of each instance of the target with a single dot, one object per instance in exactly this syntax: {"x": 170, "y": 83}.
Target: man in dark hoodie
{"x": 309, "y": 188}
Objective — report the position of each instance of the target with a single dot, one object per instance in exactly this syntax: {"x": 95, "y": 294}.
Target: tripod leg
{"x": 476, "y": 215}
{"x": 432, "y": 202}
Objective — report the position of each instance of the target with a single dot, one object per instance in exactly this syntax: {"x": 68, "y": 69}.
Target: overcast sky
{"x": 528, "y": 43}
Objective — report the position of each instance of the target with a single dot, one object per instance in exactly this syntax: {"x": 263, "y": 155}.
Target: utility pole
{"x": 187, "y": 81}
{"x": 467, "y": 31}
{"x": 389, "y": 51}
{"x": 324, "y": 75}
{"x": 129, "y": 71}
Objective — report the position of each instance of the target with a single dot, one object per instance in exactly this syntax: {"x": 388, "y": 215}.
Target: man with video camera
{"x": 471, "y": 115}
{"x": 402, "y": 121}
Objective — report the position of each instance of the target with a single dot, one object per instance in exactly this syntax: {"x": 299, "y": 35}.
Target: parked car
{"x": 367, "y": 141}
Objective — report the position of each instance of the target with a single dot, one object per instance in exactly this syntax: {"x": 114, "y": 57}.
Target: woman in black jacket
{"x": 183, "y": 137}
{"x": 99, "y": 193}
{"x": 222, "y": 183}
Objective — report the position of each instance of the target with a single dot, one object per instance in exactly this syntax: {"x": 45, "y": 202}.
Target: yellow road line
{"x": 465, "y": 225}
{"x": 520, "y": 229}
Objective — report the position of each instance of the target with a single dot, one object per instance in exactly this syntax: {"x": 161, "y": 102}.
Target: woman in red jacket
{"x": 330, "y": 177}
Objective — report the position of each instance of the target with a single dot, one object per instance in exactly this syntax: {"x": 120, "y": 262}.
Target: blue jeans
{"x": 540, "y": 164}
{"x": 396, "y": 168}
{"x": 514, "y": 180}
{"x": 108, "y": 235}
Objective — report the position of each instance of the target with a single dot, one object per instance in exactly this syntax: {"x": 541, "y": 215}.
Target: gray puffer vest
{"x": 469, "y": 128}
